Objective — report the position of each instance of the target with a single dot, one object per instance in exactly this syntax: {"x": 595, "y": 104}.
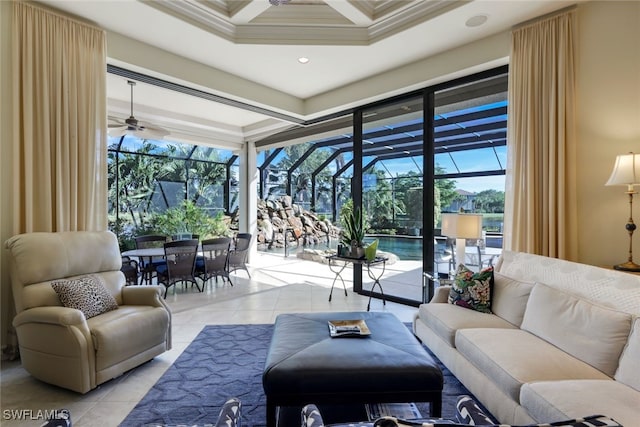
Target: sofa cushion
{"x": 446, "y": 319}
{"x": 472, "y": 290}
{"x": 592, "y": 333}
{"x": 628, "y": 370}
{"x": 509, "y": 297}
{"x": 608, "y": 287}
{"x": 513, "y": 357}
{"x": 85, "y": 293}
{"x": 554, "y": 400}
{"x": 114, "y": 341}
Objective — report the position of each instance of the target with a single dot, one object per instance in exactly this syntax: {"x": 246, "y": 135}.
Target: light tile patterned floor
{"x": 278, "y": 285}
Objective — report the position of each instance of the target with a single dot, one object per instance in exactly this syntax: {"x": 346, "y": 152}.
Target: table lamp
{"x": 462, "y": 227}
{"x": 626, "y": 171}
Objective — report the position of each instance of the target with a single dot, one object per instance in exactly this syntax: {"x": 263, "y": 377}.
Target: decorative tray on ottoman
{"x": 348, "y": 328}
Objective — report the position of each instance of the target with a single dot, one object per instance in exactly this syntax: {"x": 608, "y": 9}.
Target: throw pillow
{"x": 87, "y": 294}
{"x": 472, "y": 290}
{"x": 230, "y": 414}
{"x": 469, "y": 412}
{"x": 60, "y": 418}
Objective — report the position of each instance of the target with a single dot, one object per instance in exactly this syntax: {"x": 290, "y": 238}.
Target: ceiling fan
{"x": 132, "y": 126}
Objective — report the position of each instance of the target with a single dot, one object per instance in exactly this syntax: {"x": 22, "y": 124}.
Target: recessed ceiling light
{"x": 476, "y": 21}
{"x": 303, "y": 60}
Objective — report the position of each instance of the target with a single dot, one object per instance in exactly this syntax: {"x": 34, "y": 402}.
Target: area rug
{"x": 227, "y": 361}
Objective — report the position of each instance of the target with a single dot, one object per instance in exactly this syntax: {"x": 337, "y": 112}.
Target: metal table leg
{"x": 338, "y": 273}
{"x": 376, "y": 282}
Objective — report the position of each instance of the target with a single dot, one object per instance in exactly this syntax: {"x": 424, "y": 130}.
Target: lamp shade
{"x": 462, "y": 226}
{"x": 626, "y": 170}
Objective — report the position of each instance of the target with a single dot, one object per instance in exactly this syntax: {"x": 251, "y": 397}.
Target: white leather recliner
{"x": 58, "y": 345}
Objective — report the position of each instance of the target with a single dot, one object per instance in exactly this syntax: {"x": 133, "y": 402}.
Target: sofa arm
{"x": 56, "y": 346}
{"x": 54, "y": 315}
{"x": 143, "y": 295}
{"x": 147, "y": 295}
{"x": 441, "y": 294}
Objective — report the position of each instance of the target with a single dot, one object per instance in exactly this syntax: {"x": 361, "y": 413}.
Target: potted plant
{"x": 352, "y": 235}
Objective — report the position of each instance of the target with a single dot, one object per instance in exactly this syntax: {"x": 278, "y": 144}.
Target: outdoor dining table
{"x": 145, "y": 255}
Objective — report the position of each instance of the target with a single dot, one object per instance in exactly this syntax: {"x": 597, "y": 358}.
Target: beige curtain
{"x": 59, "y": 100}
{"x": 59, "y": 144}
{"x": 540, "y": 199}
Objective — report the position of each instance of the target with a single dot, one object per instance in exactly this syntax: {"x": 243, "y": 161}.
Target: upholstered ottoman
{"x": 306, "y": 365}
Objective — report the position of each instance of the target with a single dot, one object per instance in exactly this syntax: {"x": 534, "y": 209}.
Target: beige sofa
{"x": 563, "y": 341}
{"x": 58, "y": 344}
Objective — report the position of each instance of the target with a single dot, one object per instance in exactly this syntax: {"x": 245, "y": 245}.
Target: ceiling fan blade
{"x": 117, "y": 131}
{"x": 156, "y": 130}
{"x": 115, "y": 122}
{"x": 153, "y": 132}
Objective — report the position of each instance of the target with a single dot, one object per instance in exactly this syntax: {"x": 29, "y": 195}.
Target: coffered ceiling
{"x": 305, "y": 22}
{"x": 246, "y": 53}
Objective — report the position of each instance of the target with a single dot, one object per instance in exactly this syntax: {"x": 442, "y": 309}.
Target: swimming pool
{"x": 405, "y": 247}
{"x": 410, "y": 248}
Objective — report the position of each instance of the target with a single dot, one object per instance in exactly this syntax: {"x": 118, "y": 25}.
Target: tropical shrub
{"x": 189, "y": 218}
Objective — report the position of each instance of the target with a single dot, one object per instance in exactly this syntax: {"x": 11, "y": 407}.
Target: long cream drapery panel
{"x": 59, "y": 100}
{"x": 540, "y": 199}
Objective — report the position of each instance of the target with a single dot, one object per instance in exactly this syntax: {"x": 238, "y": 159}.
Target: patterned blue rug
{"x": 227, "y": 361}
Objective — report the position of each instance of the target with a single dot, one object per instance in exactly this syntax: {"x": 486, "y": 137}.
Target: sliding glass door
{"x": 442, "y": 149}
{"x": 392, "y": 194}
{"x": 470, "y": 138}
{"x": 404, "y": 161}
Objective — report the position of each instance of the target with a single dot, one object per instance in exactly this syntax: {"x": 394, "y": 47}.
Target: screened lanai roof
{"x": 468, "y": 119}
{"x": 173, "y": 149}
{"x": 461, "y": 130}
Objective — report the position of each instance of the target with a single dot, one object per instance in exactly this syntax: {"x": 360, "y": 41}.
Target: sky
{"x": 466, "y": 161}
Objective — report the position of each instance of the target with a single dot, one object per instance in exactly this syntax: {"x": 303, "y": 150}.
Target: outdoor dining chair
{"x": 475, "y": 258}
{"x": 130, "y": 269}
{"x": 214, "y": 260}
{"x": 180, "y": 258}
{"x": 239, "y": 253}
{"x": 148, "y": 267}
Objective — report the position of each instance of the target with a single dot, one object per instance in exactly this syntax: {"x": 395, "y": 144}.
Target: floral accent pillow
{"x": 87, "y": 294}
{"x": 472, "y": 290}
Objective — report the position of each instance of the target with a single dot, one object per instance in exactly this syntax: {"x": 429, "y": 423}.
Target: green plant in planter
{"x": 352, "y": 234}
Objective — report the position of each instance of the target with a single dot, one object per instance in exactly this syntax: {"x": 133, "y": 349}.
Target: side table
{"x": 337, "y": 264}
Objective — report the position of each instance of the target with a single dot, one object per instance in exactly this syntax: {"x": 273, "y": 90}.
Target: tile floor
{"x": 278, "y": 285}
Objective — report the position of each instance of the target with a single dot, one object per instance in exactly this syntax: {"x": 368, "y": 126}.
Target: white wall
{"x": 608, "y": 120}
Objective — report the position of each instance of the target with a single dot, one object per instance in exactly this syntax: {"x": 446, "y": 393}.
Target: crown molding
{"x": 346, "y": 23}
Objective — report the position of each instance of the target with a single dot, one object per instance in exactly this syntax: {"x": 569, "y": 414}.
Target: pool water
{"x": 410, "y": 248}
{"x": 405, "y": 247}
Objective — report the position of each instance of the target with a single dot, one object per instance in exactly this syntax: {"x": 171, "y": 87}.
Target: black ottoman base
{"x": 305, "y": 365}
